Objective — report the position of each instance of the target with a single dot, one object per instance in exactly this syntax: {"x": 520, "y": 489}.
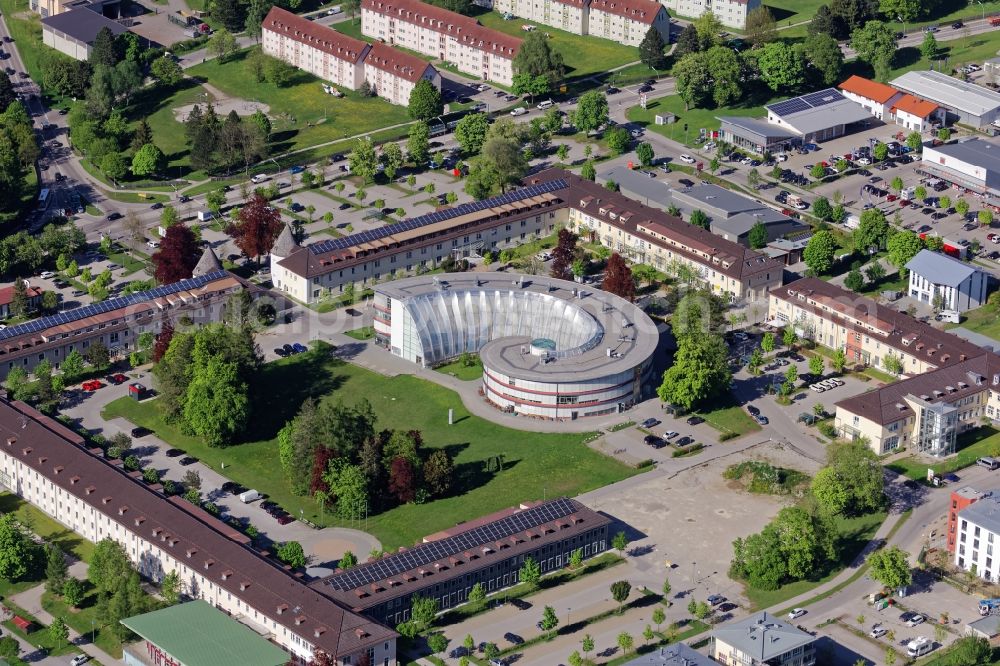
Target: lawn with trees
{"x": 494, "y": 467}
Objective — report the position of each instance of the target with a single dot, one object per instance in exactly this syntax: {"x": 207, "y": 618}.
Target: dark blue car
{"x": 299, "y": 348}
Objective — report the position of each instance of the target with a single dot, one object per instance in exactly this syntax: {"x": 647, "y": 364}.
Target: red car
{"x": 117, "y": 378}
{"x": 92, "y": 385}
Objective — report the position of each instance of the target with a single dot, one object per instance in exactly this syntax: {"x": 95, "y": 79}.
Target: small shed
{"x": 137, "y": 391}
{"x": 27, "y": 626}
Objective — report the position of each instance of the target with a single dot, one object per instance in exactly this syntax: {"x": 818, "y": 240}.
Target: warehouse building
{"x": 963, "y": 102}
{"x": 973, "y": 164}
{"x": 818, "y": 116}
{"x": 490, "y": 551}
{"x": 946, "y": 283}
{"x": 73, "y": 32}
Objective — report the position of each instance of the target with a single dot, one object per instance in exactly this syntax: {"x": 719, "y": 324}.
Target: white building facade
{"x": 946, "y": 283}
{"x": 623, "y": 21}
{"x": 731, "y": 13}
{"x": 446, "y": 35}
{"x": 977, "y": 542}
{"x": 568, "y": 15}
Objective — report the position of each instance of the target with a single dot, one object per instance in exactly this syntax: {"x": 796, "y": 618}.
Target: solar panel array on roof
{"x": 437, "y": 216}
{"x": 805, "y": 102}
{"x": 426, "y": 553}
{"x": 77, "y": 314}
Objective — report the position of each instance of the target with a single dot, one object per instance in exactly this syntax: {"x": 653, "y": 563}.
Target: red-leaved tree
{"x": 402, "y": 481}
{"x": 257, "y": 227}
{"x": 562, "y": 256}
{"x": 177, "y": 256}
{"x": 163, "y": 340}
{"x": 618, "y": 278}
{"x": 321, "y": 460}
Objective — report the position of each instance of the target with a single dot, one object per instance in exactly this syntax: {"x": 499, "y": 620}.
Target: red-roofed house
{"x": 7, "y": 297}
{"x": 877, "y": 98}
{"x": 343, "y": 60}
{"x": 439, "y": 33}
{"x": 916, "y": 114}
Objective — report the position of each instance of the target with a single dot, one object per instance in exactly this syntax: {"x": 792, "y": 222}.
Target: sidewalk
{"x": 31, "y": 601}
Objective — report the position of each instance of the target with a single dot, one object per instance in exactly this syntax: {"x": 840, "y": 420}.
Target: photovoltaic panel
{"x": 822, "y": 98}
{"x": 77, "y": 314}
{"x": 520, "y": 194}
{"x": 788, "y": 107}
{"x": 474, "y": 539}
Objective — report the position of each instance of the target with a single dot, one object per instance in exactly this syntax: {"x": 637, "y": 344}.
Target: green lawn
{"x": 26, "y": 28}
{"x": 984, "y": 320}
{"x": 47, "y": 528}
{"x": 984, "y": 441}
{"x": 853, "y": 535}
{"x": 583, "y": 55}
{"x": 85, "y": 619}
{"x": 302, "y": 114}
{"x": 694, "y": 118}
{"x": 363, "y": 333}
{"x": 975, "y": 48}
{"x": 536, "y": 465}
{"x": 462, "y": 371}
{"x": 729, "y": 418}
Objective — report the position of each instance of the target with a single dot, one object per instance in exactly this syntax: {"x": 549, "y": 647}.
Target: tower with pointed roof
{"x": 283, "y": 247}
{"x": 208, "y": 263}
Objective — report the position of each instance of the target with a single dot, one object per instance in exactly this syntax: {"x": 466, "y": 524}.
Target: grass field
{"x": 955, "y": 53}
{"x": 730, "y": 418}
{"x": 302, "y": 114}
{"x": 694, "y": 118}
{"x": 984, "y": 441}
{"x": 535, "y": 465}
{"x": 47, "y": 528}
{"x": 583, "y": 55}
{"x": 462, "y": 371}
{"x": 85, "y": 619}
{"x": 984, "y": 320}
{"x": 853, "y": 535}
{"x": 26, "y": 28}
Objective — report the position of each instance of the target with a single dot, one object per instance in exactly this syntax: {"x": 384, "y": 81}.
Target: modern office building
{"x": 962, "y": 101}
{"x": 623, "y": 21}
{"x": 550, "y": 198}
{"x": 197, "y": 634}
{"x": 439, "y": 33}
{"x": 946, "y": 283}
{"x": 549, "y": 348}
{"x": 678, "y": 654}
{"x": 978, "y": 540}
{"x": 73, "y": 32}
{"x": 762, "y": 640}
{"x": 117, "y": 322}
{"x": 489, "y": 551}
{"x": 731, "y": 13}
{"x": 342, "y": 60}
{"x": 973, "y": 164}
{"x": 960, "y": 499}
{"x": 757, "y": 136}
{"x": 49, "y": 466}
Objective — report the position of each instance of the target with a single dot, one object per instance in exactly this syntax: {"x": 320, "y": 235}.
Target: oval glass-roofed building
{"x": 549, "y": 348}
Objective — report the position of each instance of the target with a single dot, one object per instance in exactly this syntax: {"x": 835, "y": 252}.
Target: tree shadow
{"x": 780, "y": 13}
{"x": 906, "y": 56}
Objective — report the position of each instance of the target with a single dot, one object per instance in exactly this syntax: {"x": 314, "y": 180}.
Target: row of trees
{"x": 18, "y": 151}
{"x": 840, "y": 18}
{"x": 225, "y": 144}
{"x": 802, "y": 542}
{"x": 332, "y": 451}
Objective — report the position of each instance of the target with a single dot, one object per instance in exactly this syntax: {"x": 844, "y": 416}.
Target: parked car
{"x": 174, "y": 453}
{"x": 654, "y": 441}
{"x": 796, "y": 613}
{"x": 117, "y": 378}
{"x": 695, "y": 420}
{"x": 914, "y": 619}
{"x": 520, "y": 604}
{"x": 285, "y": 519}
{"x": 278, "y": 351}
{"x": 649, "y": 423}
{"x": 92, "y": 385}
{"x": 670, "y": 434}
{"x": 288, "y": 349}
{"x": 299, "y": 348}
{"x": 188, "y": 460}
{"x": 683, "y": 441}
{"x": 687, "y": 159}
{"x": 140, "y": 432}
{"x": 878, "y": 631}
{"x": 513, "y": 638}
{"x": 79, "y": 659}
{"x": 232, "y": 487}
{"x": 715, "y": 599}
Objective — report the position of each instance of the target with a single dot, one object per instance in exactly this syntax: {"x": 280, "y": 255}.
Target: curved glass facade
{"x": 455, "y": 321}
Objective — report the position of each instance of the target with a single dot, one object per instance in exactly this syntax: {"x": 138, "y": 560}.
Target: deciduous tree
{"x": 425, "y": 101}
{"x": 256, "y": 227}
{"x": 875, "y": 43}
{"x": 536, "y": 57}
{"x": 470, "y": 132}
{"x": 177, "y": 255}
{"x": 819, "y": 252}
{"x": 891, "y": 567}
{"x": 782, "y": 67}
{"x": 618, "y": 278}
{"x": 591, "y": 111}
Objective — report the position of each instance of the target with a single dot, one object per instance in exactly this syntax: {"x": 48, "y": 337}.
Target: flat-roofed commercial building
{"x": 762, "y": 639}
{"x": 973, "y": 164}
{"x": 964, "y": 102}
{"x": 342, "y": 60}
{"x": 757, "y": 136}
{"x": 443, "y": 34}
{"x": 73, "y": 32}
{"x": 549, "y": 348}
{"x": 731, "y": 13}
{"x": 489, "y": 551}
{"x": 49, "y": 466}
{"x": 818, "y": 116}
{"x": 550, "y": 198}
{"x": 116, "y": 323}
{"x": 978, "y": 538}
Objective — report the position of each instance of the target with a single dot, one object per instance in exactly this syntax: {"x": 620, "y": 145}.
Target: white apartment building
{"x": 978, "y": 539}
{"x": 762, "y": 639}
{"x": 49, "y": 466}
{"x": 624, "y": 21}
{"x": 446, "y": 35}
{"x": 731, "y": 13}
{"x": 939, "y": 280}
{"x": 325, "y": 53}
{"x": 343, "y": 60}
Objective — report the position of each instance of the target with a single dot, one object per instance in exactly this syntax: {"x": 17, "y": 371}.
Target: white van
{"x": 988, "y": 463}
{"x": 249, "y": 496}
{"x": 950, "y": 316}
{"x": 546, "y": 104}
{"x": 519, "y": 111}
{"x": 204, "y": 215}
{"x": 919, "y": 646}
{"x": 258, "y": 179}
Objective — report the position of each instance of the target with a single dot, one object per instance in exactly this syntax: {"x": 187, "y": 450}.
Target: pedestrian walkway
{"x": 31, "y": 601}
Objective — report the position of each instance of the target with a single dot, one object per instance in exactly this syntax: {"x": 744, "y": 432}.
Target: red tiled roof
{"x": 396, "y": 62}
{"x": 915, "y": 106}
{"x": 873, "y": 90}
{"x": 7, "y": 294}
{"x": 644, "y": 11}
{"x": 466, "y": 30}
{"x": 319, "y": 37}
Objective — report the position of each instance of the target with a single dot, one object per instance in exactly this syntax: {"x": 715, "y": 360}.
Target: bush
{"x": 828, "y": 430}
{"x": 688, "y": 450}
{"x": 729, "y": 434}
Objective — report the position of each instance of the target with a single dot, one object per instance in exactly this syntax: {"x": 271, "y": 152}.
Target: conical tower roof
{"x": 209, "y": 263}
{"x": 285, "y": 245}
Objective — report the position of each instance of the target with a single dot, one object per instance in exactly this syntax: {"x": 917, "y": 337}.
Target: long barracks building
{"x": 50, "y": 467}
{"x": 547, "y": 200}
{"x": 489, "y": 551}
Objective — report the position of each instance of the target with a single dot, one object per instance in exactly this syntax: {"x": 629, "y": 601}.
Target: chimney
{"x": 122, "y": 510}
{"x": 209, "y": 563}
{"x": 74, "y": 480}
{"x": 244, "y": 585}
{"x": 58, "y": 469}
{"x": 140, "y": 520}
{"x": 282, "y": 608}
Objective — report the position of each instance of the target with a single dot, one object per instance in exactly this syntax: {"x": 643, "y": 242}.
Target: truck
{"x": 204, "y": 215}
{"x": 248, "y": 496}
{"x": 852, "y": 221}
{"x": 919, "y": 646}
{"x": 989, "y": 607}
{"x": 995, "y": 21}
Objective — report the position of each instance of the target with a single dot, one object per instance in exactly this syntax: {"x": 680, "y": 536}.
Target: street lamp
{"x": 983, "y": 7}
{"x": 902, "y": 22}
